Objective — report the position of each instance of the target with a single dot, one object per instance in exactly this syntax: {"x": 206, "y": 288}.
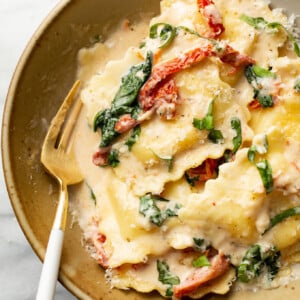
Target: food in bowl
{"x": 189, "y": 143}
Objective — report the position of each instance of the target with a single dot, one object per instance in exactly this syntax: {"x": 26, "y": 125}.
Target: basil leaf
{"x": 164, "y": 31}
{"x": 282, "y": 216}
{"x": 166, "y": 277}
{"x": 113, "y": 158}
{"x": 265, "y": 172}
{"x": 149, "y": 209}
{"x": 133, "y": 137}
{"x": 237, "y": 140}
{"x": 201, "y": 261}
{"x": 215, "y": 136}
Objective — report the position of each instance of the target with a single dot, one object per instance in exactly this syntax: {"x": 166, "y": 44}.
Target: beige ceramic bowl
{"x": 45, "y": 73}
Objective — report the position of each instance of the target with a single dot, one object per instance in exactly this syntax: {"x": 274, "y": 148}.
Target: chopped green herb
{"x": 142, "y": 44}
{"x": 256, "y": 261}
{"x": 282, "y": 216}
{"x": 92, "y": 194}
{"x": 166, "y": 277}
{"x": 261, "y": 24}
{"x": 208, "y": 121}
{"x": 252, "y": 153}
{"x": 164, "y": 31}
{"x": 201, "y": 245}
{"x": 253, "y": 74}
{"x": 297, "y": 85}
{"x": 257, "y": 23}
{"x": 201, "y": 261}
{"x": 188, "y": 30}
{"x": 215, "y": 136}
{"x": 148, "y": 208}
{"x": 237, "y": 140}
{"x": 133, "y": 137}
{"x": 169, "y": 161}
{"x": 113, "y": 158}
{"x": 265, "y": 172}
{"x": 96, "y": 39}
{"x": 261, "y": 149}
{"x": 262, "y": 72}
{"x": 124, "y": 101}
{"x": 191, "y": 180}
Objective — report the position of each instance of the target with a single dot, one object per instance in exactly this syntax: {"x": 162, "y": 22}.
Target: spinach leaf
{"x": 201, "y": 261}
{"x": 253, "y": 73}
{"x": 191, "y": 180}
{"x": 164, "y": 31}
{"x": 256, "y": 260}
{"x": 106, "y": 121}
{"x": 257, "y": 23}
{"x": 237, "y": 140}
{"x": 200, "y": 244}
{"x": 261, "y": 24}
{"x": 252, "y": 153}
{"x": 215, "y": 136}
{"x": 297, "y": 85}
{"x": 294, "y": 211}
{"x": 169, "y": 161}
{"x": 166, "y": 277}
{"x": 148, "y": 208}
{"x": 265, "y": 172}
{"x": 131, "y": 83}
{"x": 113, "y": 158}
{"x": 124, "y": 102}
{"x": 261, "y": 149}
{"x": 92, "y": 194}
{"x": 133, "y": 137}
{"x": 207, "y": 123}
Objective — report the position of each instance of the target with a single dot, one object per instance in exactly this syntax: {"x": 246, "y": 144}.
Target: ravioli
{"x": 189, "y": 143}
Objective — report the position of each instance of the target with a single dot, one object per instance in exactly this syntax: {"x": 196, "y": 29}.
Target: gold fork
{"x": 60, "y": 162}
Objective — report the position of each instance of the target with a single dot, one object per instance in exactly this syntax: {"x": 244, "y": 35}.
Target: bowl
{"x": 42, "y": 78}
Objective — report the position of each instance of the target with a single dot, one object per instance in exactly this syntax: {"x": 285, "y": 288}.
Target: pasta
{"x": 189, "y": 145}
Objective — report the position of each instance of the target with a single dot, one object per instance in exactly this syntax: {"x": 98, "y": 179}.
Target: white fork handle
{"x": 48, "y": 280}
{"x": 50, "y": 269}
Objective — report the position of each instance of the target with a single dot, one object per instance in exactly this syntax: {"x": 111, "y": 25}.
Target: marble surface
{"x": 20, "y": 267}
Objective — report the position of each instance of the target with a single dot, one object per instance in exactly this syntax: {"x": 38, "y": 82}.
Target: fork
{"x": 59, "y": 160}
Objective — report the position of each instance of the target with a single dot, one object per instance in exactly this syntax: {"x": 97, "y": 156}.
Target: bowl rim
{"x": 14, "y": 198}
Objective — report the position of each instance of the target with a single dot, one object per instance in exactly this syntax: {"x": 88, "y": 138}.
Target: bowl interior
{"x": 45, "y": 73}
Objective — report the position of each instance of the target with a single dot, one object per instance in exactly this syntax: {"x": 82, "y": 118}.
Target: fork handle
{"x": 48, "y": 279}
{"x": 47, "y": 284}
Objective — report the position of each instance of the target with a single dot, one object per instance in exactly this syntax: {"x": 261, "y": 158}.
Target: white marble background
{"x": 19, "y": 266}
